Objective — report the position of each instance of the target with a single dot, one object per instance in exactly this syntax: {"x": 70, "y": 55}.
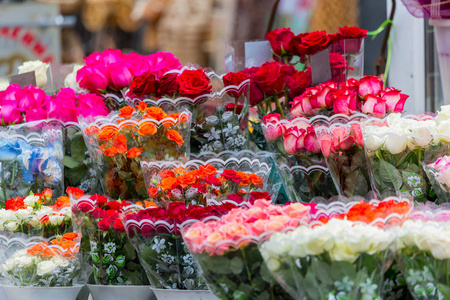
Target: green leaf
{"x": 130, "y": 252}
{"x": 236, "y": 265}
{"x": 355, "y": 184}
{"x": 75, "y": 175}
{"x": 390, "y": 175}
{"x": 70, "y": 163}
{"x": 78, "y": 148}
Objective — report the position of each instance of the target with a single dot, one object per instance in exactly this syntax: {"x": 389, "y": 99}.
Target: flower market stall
{"x": 145, "y": 178}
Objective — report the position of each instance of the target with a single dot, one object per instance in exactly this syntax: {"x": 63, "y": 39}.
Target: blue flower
{"x": 51, "y": 171}
{"x": 9, "y": 150}
{"x": 33, "y": 159}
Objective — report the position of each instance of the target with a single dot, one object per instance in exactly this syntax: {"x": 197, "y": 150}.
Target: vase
{"x": 442, "y": 36}
{"x": 120, "y": 292}
{"x": 163, "y": 294}
{"x": 41, "y": 293}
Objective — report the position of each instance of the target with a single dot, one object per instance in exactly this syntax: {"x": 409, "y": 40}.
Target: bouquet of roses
{"x": 196, "y": 182}
{"x": 227, "y": 250}
{"x": 155, "y": 233}
{"x": 423, "y": 255}
{"x": 438, "y": 174}
{"x": 120, "y": 141}
{"x": 366, "y": 95}
{"x": 343, "y": 148}
{"x": 398, "y": 147}
{"x": 36, "y": 214}
{"x": 298, "y": 157}
{"x": 51, "y": 262}
{"x": 31, "y": 159}
{"x": 337, "y": 260}
{"x": 106, "y": 248}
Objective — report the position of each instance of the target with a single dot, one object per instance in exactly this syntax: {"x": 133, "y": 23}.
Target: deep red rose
{"x": 85, "y": 206}
{"x": 193, "y": 83}
{"x": 104, "y": 224}
{"x": 351, "y": 39}
{"x": 168, "y": 85}
{"x": 97, "y": 213}
{"x": 256, "y": 93}
{"x": 279, "y": 40}
{"x": 145, "y": 85}
{"x": 231, "y": 175}
{"x": 338, "y": 67}
{"x": 212, "y": 180}
{"x": 111, "y": 214}
{"x": 298, "y": 83}
{"x": 201, "y": 188}
{"x": 230, "y": 107}
{"x": 235, "y": 79}
{"x": 259, "y": 195}
{"x": 236, "y": 198}
{"x": 352, "y": 32}
{"x": 101, "y": 200}
{"x": 310, "y": 43}
{"x": 176, "y": 208}
{"x": 270, "y": 78}
{"x": 118, "y": 226}
{"x": 114, "y": 205}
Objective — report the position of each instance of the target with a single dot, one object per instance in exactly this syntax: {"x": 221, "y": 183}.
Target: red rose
{"x": 231, "y": 175}
{"x": 176, "y": 208}
{"x": 168, "y": 85}
{"x": 298, "y": 83}
{"x": 104, "y": 224}
{"x": 115, "y": 205}
{"x": 212, "y": 180}
{"x": 279, "y": 40}
{"x": 310, "y": 43}
{"x": 338, "y": 67}
{"x": 111, "y": 214}
{"x": 259, "y": 195}
{"x": 118, "y": 226}
{"x": 97, "y": 213}
{"x": 193, "y": 83}
{"x": 236, "y": 79}
{"x": 256, "y": 93}
{"x": 101, "y": 200}
{"x": 230, "y": 107}
{"x": 270, "y": 78}
{"x": 144, "y": 85}
{"x": 236, "y": 198}
{"x": 351, "y": 39}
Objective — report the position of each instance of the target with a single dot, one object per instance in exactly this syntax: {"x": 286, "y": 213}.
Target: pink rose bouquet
{"x": 227, "y": 250}
{"x": 438, "y": 173}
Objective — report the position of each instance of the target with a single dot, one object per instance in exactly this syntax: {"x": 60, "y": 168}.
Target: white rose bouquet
{"x": 337, "y": 260}
{"x": 398, "y": 147}
{"x": 424, "y": 256}
{"x": 41, "y": 262}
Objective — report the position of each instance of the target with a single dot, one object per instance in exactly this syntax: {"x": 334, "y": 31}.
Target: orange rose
{"x": 122, "y": 148}
{"x": 168, "y": 183}
{"x": 179, "y": 170}
{"x": 255, "y": 179}
{"x": 155, "y": 113}
{"x": 147, "y": 129}
{"x": 111, "y": 151}
{"x": 179, "y": 117}
{"x": 142, "y": 106}
{"x": 244, "y": 178}
{"x": 208, "y": 170}
{"x": 62, "y": 201}
{"x": 174, "y": 136}
{"x": 126, "y": 112}
{"x": 166, "y": 173}
{"x": 91, "y": 130}
{"x": 134, "y": 152}
{"x": 120, "y": 139}
{"x": 186, "y": 180}
{"x": 70, "y": 236}
{"x": 150, "y": 204}
{"x": 107, "y": 133}
{"x": 152, "y": 192}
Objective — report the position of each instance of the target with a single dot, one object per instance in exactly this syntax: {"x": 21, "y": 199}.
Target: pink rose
{"x": 35, "y": 114}
{"x": 66, "y": 96}
{"x": 112, "y": 56}
{"x": 259, "y": 226}
{"x": 370, "y": 85}
{"x": 342, "y": 140}
{"x": 293, "y": 140}
{"x": 323, "y": 95}
{"x": 326, "y": 143}
{"x": 345, "y": 101}
{"x": 138, "y": 63}
{"x": 357, "y": 134}
{"x": 31, "y": 97}
{"x": 395, "y": 101}
{"x": 57, "y": 110}
{"x": 91, "y": 105}
{"x": 302, "y": 105}
{"x": 10, "y": 114}
{"x": 10, "y": 94}
{"x": 163, "y": 62}
{"x": 272, "y": 130}
{"x": 93, "y": 77}
{"x": 311, "y": 142}
{"x": 375, "y": 106}
{"x": 120, "y": 75}
{"x": 351, "y": 83}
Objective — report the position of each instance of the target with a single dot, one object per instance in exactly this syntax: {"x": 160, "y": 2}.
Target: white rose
{"x": 45, "y": 267}
{"x": 39, "y": 68}
{"x": 443, "y": 114}
{"x": 342, "y": 252}
{"x": 22, "y": 213}
{"x": 4, "y": 83}
{"x": 43, "y": 211}
{"x": 12, "y": 226}
{"x": 444, "y": 131}
{"x": 273, "y": 264}
{"x": 31, "y": 200}
{"x": 422, "y": 136}
{"x": 9, "y": 265}
{"x": 6, "y": 214}
{"x": 60, "y": 261}
{"x": 71, "y": 79}
{"x": 55, "y": 219}
{"x": 395, "y": 143}
{"x": 25, "y": 261}
{"x": 34, "y": 222}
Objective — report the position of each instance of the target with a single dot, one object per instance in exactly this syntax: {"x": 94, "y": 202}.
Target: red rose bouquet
{"x": 106, "y": 248}
{"x": 155, "y": 233}
{"x": 121, "y": 140}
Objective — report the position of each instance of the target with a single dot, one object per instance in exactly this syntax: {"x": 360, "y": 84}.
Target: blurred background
{"x": 198, "y": 31}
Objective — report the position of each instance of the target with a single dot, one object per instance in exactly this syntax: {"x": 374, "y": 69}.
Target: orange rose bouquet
{"x": 121, "y": 140}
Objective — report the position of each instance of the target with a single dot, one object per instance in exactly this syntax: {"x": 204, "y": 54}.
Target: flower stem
{"x": 277, "y": 100}
{"x": 235, "y": 108}
{"x": 249, "y": 274}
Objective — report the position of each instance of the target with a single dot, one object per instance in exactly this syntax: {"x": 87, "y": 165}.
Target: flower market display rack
{"x": 145, "y": 179}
